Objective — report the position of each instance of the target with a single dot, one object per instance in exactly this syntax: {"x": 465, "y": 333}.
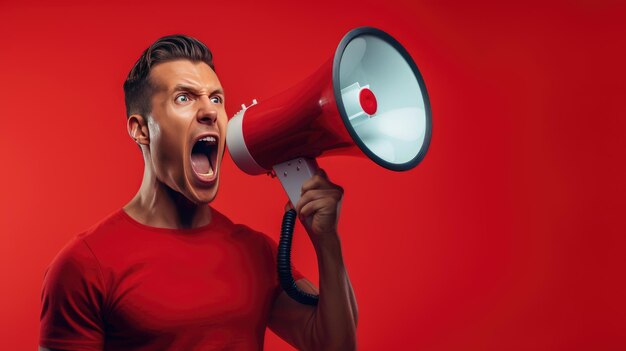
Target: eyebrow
{"x": 183, "y": 87}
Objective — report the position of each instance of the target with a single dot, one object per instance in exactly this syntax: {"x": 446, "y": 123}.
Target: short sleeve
{"x": 71, "y": 301}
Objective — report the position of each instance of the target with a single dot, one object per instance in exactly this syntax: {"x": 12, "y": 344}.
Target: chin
{"x": 204, "y": 196}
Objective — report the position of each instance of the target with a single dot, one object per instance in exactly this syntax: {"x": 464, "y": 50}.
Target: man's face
{"x": 187, "y": 128}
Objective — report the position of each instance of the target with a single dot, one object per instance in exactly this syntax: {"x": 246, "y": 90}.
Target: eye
{"x": 182, "y": 98}
{"x": 216, "y": 99}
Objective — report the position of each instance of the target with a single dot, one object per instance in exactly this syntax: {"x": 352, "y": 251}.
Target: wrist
{"x": 328, "y": 245}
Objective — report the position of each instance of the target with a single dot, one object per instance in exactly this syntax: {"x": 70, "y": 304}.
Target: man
{"x": 169, "y": 272}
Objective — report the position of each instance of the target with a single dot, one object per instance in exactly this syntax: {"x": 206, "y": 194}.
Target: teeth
{"x": 210, "y": 174}
{"x": 209, "y": 139}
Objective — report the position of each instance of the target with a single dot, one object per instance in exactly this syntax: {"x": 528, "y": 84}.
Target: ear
{"x": 137, "y": 127}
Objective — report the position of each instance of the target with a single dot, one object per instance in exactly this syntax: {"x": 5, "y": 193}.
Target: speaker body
{"x": 303, "y": 121}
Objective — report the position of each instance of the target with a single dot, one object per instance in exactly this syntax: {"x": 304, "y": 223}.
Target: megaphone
{"x": 369, "y": 100}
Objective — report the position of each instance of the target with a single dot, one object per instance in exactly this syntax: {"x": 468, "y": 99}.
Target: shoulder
{"x": 77, "y": 257}
{"x": 73, "y": 284}
{"x": 75, "y": 263}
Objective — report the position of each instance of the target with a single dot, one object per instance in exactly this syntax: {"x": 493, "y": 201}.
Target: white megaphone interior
{"x": 397, "y": 130}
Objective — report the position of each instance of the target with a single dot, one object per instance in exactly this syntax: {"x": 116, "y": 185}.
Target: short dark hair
{"x": 138, "y": 89}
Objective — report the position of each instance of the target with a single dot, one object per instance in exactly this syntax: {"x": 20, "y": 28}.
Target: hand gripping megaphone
{"x": 368, "y": 100}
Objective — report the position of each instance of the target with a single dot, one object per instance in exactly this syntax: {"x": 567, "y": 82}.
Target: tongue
{"x": 200, "y": 163}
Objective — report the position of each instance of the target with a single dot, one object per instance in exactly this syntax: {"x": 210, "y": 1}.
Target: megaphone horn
{"x": 368, "y": 99}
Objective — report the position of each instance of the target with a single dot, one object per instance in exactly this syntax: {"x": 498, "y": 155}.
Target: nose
{"x": 207, "y": 113}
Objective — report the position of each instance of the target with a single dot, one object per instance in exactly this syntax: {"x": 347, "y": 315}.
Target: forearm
{"x": 334, "y": 324}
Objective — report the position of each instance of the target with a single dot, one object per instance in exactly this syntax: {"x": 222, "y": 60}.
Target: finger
{"x": 317, "y": 181}
{"x": 318, "y": 178}
{"x": 315, "y": 194}
{"x": 314, "y": 206}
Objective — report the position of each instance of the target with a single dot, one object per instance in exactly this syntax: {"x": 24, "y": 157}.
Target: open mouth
{"x": 204, "y": 157}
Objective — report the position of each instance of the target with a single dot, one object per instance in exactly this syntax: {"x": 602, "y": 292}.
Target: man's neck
{"x": 157, "y": 205}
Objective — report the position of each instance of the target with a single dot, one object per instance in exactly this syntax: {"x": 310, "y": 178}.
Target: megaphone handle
{"x": 293, "y": 173}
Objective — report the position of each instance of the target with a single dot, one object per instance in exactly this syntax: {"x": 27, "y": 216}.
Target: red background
{"x": 508, "y": 236}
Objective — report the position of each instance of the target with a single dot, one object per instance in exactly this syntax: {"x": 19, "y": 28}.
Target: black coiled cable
{"x": 284, "y": 262}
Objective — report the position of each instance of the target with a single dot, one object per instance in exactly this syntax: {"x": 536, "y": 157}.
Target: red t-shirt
{"x": 122, "y": 285}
